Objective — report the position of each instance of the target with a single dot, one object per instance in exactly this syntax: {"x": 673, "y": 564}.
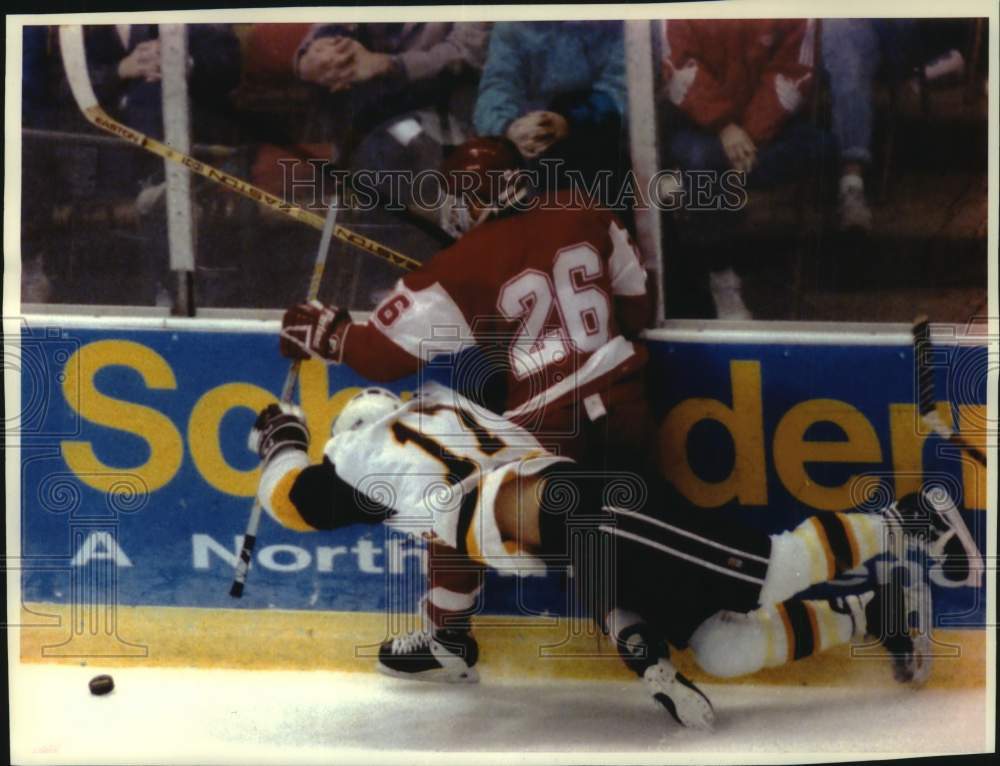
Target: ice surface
{"x": 163, "y": 715}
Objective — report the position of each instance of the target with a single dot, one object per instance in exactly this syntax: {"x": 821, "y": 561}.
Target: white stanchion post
{"x": 177, "y": 134}
{"x": 644, "y": 147}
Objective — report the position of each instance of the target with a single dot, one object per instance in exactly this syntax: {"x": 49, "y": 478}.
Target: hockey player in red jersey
{"x": 559, "y": 288}
{"x": 552, "y": 288}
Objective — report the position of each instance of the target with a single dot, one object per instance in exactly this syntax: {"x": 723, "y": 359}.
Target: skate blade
{"x": 436, "y": 675}
{"x": 923, "y": 660}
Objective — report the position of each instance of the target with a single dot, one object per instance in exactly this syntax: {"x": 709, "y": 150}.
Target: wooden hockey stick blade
{"x": 75, "y": 64}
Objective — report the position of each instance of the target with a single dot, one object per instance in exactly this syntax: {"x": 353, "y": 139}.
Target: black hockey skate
{"x": 673, "y": 691}
{"x": 445, "y": 656}
{"x": 899, "y": 614}
{"x": 931, "y": 515}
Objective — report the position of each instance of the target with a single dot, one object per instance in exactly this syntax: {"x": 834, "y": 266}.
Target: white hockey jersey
{"x": 436, "y": 463}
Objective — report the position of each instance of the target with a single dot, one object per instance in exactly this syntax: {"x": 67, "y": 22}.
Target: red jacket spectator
{"x": 755, "y": 73}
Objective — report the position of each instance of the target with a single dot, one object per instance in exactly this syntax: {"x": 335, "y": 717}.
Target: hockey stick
{"x": 925, "y": 391}
{"x": 75, "y": 63}
{"x": 250, "y": 536}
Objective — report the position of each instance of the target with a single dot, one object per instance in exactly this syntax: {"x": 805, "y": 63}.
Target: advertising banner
{"x": 134, "y": 461}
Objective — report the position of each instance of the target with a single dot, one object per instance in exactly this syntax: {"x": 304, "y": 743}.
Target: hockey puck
{"x": 101, "y": 685}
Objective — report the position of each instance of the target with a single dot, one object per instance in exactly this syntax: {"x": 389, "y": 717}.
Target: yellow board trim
{"x": 513, "y": 648}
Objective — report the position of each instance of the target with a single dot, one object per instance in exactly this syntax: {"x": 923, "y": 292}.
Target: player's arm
{"x": 315, "y": 331}
{"x": 296, "y": 494}
{"x": 417, "y": 321}
{"x": 633, "y": 301}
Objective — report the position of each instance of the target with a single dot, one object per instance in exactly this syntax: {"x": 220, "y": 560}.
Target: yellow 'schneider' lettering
{"x": 792, "y": 451}
{"x": 907, "y": 436}
{"x": 166, "y": 448}
{"x": 745, "y": 422}
{"x": 203, "y": 436}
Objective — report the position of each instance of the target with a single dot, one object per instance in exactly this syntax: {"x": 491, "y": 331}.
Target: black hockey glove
{"x": 278, "y": 427}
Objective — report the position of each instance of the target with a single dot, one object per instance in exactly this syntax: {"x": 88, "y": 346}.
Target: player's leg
{"x": 819, "y": 549}
{"x": 725, "y": 565}
{"x": 506, "y": 497}
{"x": 828, "y": 544}
{"x": 755, "y": 569}
{"x": 454, "y": 583}
{"x": 445, "y": 649}
{"x": 732, "y": 644}
{"x": 679, "y": 568}
{"x": 558, "y": 513}
{"x": 618, "y": 571}
{"x": 647, "y": 654}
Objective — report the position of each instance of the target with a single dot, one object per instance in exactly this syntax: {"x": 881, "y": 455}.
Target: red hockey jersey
{"x": 553, "y": 289}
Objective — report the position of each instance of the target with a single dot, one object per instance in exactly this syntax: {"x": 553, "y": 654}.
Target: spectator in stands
{"x": 37, "y": 164}
{"x": 124, "y": 64}
{"x": 556, "y": 89}
{"x": 735, "y": 90}
{"x": 397, "y": 94}
{"x": 36, "y": 105}
{"x": 854, "y": 52}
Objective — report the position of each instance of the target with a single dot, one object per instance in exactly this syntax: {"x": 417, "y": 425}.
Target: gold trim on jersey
{"x": 282, "y": 507}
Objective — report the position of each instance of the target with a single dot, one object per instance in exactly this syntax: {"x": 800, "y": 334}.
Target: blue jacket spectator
{"x": 531, "y": 64}
{"x": 557, "y": 90}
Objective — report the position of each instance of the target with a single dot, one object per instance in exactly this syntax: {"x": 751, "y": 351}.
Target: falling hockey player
{"x": 553, "y": 292}
{"x": 440, "y": 467}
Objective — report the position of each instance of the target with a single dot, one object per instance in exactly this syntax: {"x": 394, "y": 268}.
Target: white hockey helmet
{"x": 364, "y": 408}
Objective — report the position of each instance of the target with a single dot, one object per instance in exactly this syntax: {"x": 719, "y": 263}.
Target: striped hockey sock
{"x": 819, "y": 549}
{"x": 730, "y": 644}
{"x": 815, "y": 626}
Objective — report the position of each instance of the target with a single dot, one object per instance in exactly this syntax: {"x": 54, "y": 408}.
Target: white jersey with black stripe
{"x": 430, "y": 460}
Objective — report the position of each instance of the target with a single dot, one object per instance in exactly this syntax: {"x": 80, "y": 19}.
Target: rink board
{"x": 136, "y": 479}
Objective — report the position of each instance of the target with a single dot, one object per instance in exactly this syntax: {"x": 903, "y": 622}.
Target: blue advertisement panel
{"x": 134, "y": 455}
